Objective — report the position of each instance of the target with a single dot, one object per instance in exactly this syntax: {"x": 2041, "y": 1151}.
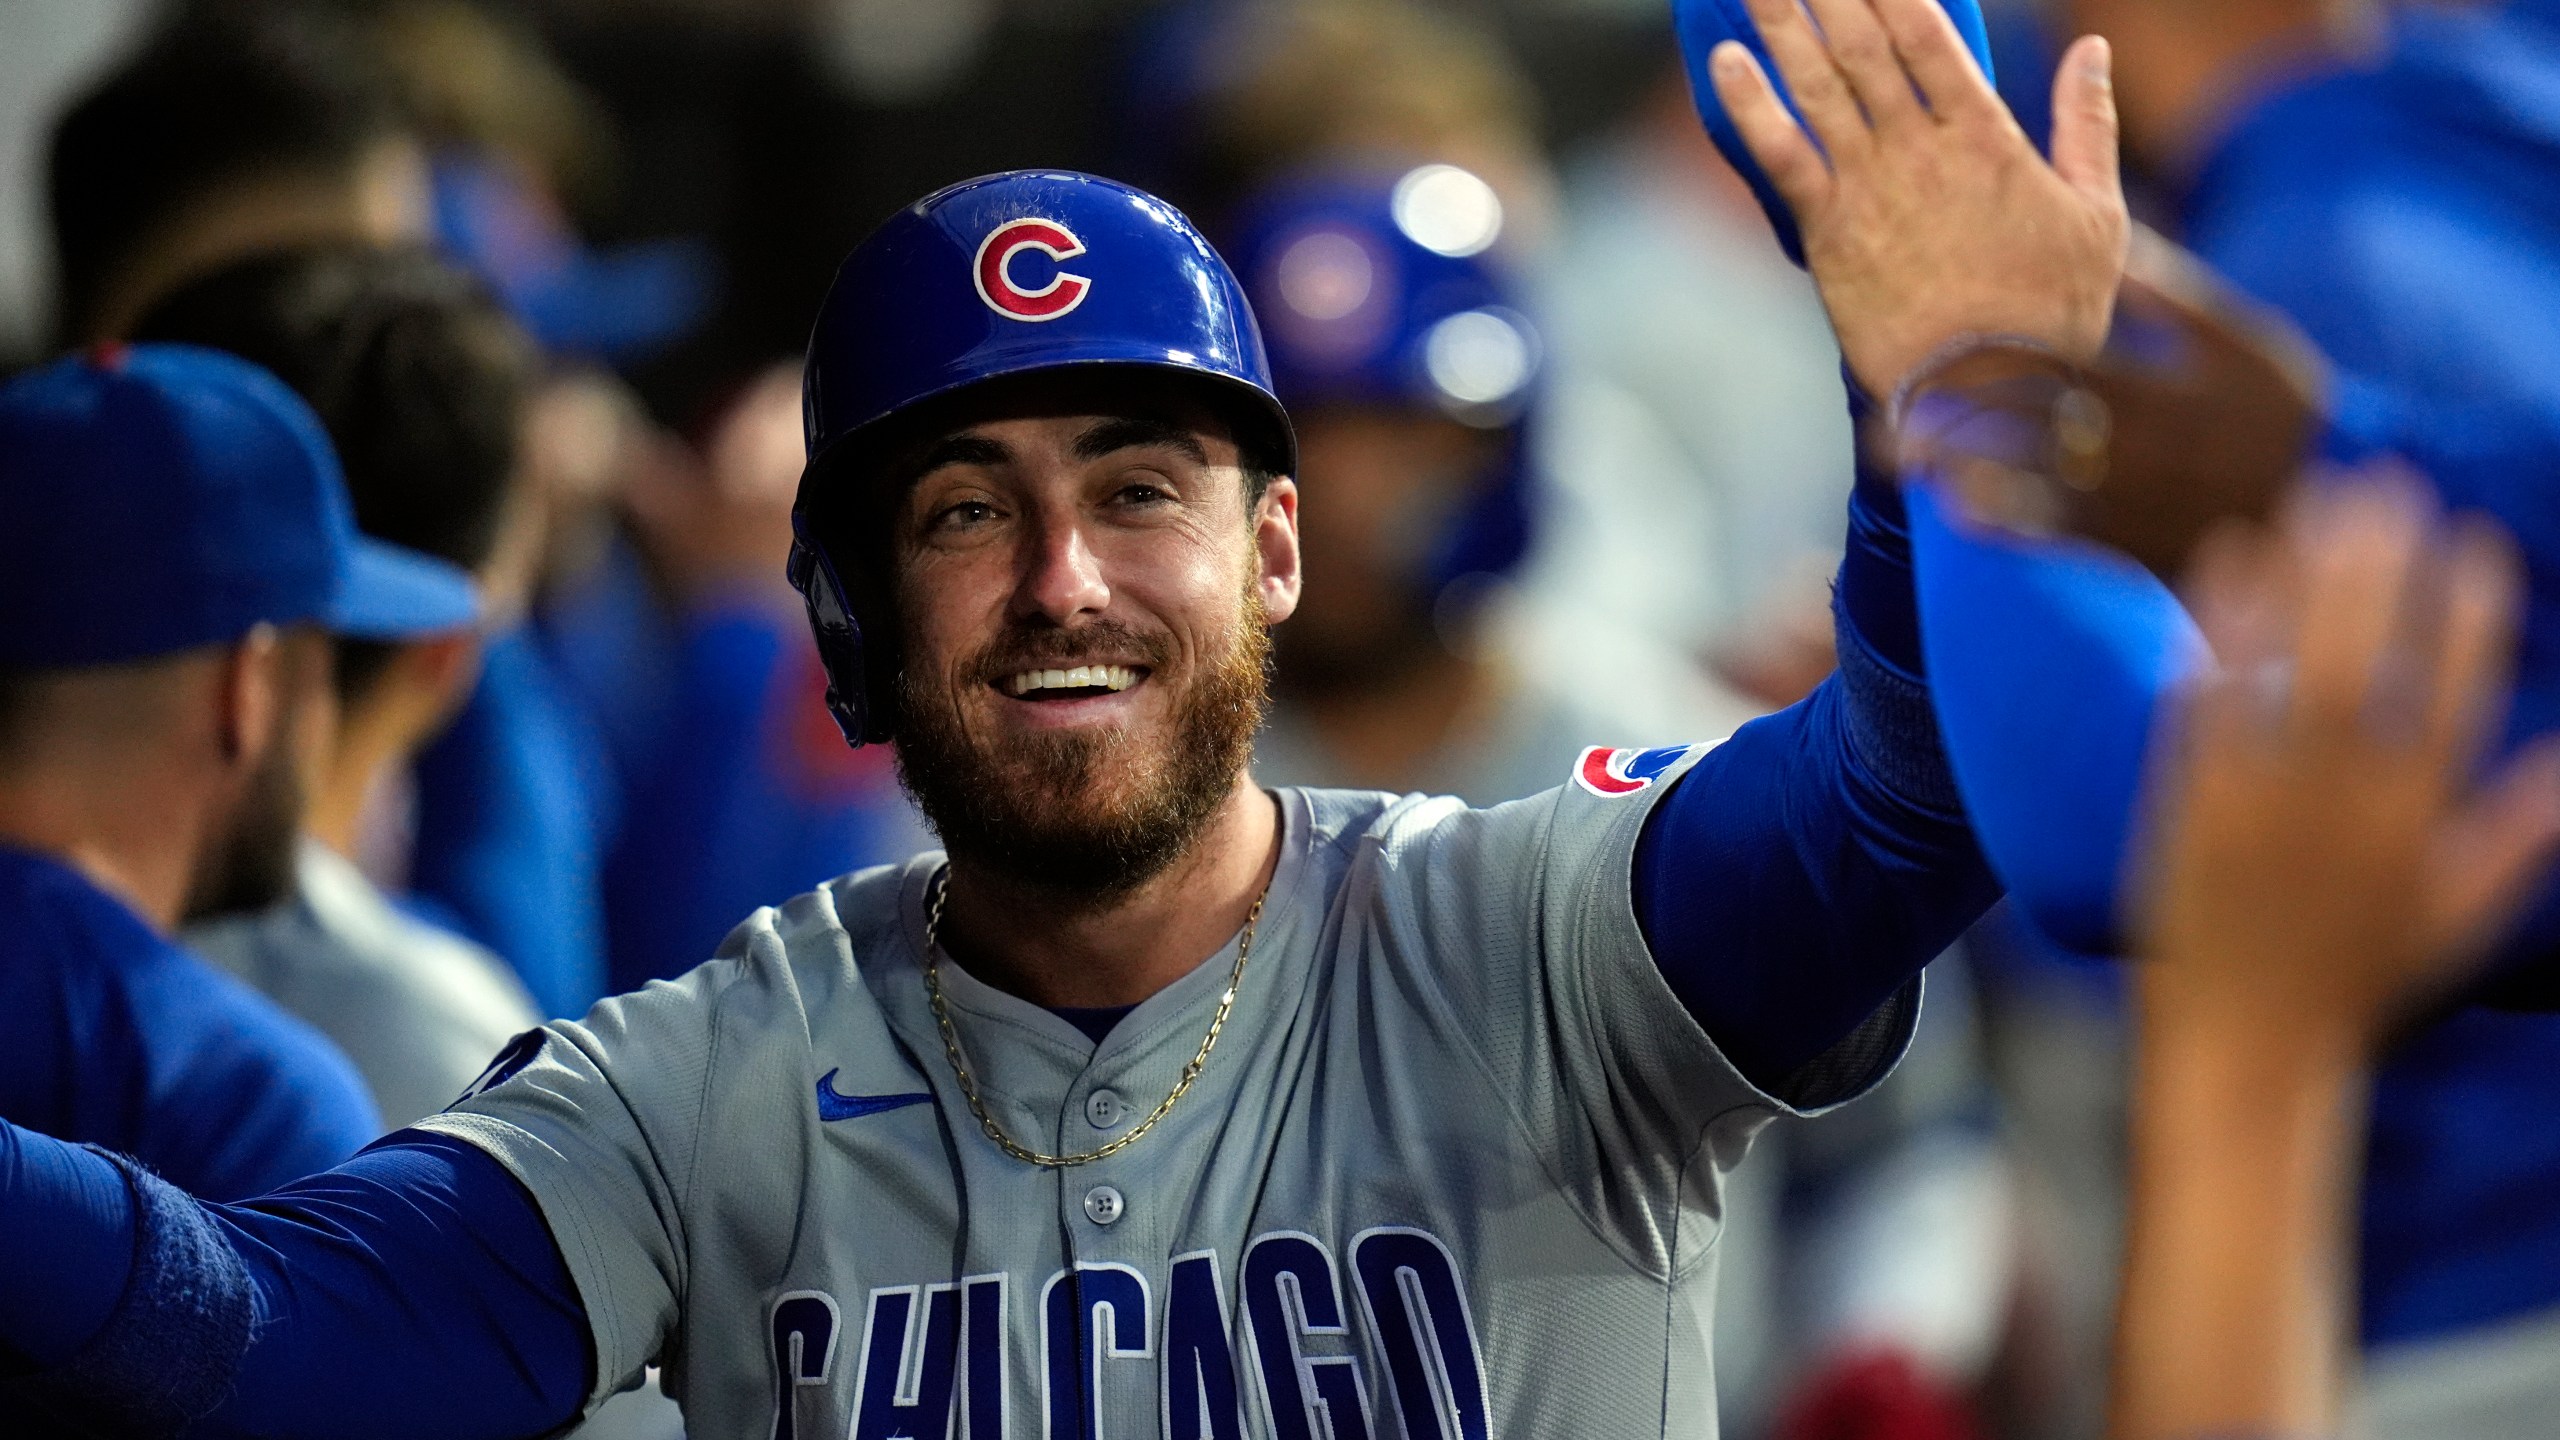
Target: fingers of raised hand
{"x": 2243, "y": 588}
{"x": 1768, "y": 131}
{"x": 1936, "y": 59}
{"x": 2084, "y": 122}
{"x": 2481, "y": 588}
{"x": 2494, "y": 849}
{"x": 2359, "y": 543}
{"x": 1864, "y": 55}
{"x": 1821, "y": 92}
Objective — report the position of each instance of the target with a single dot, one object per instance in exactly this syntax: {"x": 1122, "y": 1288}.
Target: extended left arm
{"x": 1802, "y": 872}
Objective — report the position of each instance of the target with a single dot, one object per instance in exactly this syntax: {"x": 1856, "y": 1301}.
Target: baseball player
{"x": 421, "y": 381}
{"x": 1155, "y": 1102}
{"x": 177, "y": 551}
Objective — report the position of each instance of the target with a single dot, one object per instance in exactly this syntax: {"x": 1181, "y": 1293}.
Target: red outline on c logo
{"x": 992, "y": 271}
{"x": 1596, "y": 770}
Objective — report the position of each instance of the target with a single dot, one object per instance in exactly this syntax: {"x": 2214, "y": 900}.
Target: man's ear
{"x": 444, "y": 669}
{"x": 249, "y": 697}
{"x": 1275, "y": 537}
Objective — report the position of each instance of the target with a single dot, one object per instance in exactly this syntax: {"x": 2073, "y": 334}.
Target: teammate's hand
{"x": 2320, "y": 855}
{"x": 1927, "y": 214}
{"x": 717, "y": 522}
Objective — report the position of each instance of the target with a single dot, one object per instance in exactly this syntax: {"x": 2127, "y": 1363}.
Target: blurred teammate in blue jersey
{"x": 421, "y": 381}
{"x": 2392, "y": 183}
{"x": 179, "y": 548}
{"x": 647, "y": 755}
{"x": 2379, "y": 177}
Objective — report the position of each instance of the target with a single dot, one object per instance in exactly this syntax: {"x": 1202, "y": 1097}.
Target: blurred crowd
{"x": 1576, "y": 451}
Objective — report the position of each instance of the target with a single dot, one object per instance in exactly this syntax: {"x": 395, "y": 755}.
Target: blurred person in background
{"x": 1688, "y": 380}
{"x": 421, "y": 382}
{"x": 235, "y": 128}
{"x": 659, "y": 694}
{"x": 2382, "y": 176}
{"x": 1698, "y": 471}
{"x": 1233, "y": 93}
{"x": 178, "y": 553}
{"x": 1412, "y": 374}
{"x": 280, "y": 123}
{"x": 2313, "y": 878}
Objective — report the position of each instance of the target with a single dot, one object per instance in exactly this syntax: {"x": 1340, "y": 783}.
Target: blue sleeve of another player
{"x": 1803, "y": 871}
{"x": 697, "y": 850}
{"x": 2045, "y": 665}
{"x": 512, "y": 810}
{"x": 745, "y": 798}
{"x": 2048, "y": 664}
{"x": 413, "y": 1291}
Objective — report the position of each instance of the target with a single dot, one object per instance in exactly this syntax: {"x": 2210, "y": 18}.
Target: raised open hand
{"x": 2321, "y": 854}
{"x": 1926, "y": 213}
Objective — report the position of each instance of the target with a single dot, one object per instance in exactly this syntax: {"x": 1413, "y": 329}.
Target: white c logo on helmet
{"x": 994, "y": 278}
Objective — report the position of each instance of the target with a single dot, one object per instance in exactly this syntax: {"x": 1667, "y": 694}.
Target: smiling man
{"x": 1154, "y": 1102}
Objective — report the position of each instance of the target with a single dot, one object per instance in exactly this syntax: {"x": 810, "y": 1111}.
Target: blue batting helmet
{"x": 1002, "y": 275}
{"x": 1381, "y": 289}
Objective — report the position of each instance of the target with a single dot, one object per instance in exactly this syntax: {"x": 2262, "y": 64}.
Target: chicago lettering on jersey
{"x": 1294, "y": 1349}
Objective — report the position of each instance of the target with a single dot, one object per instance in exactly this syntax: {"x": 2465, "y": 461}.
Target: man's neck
{"x": 139, "y": 848}
{"x": 1385, "y": 736}
{"x": 374, "y": 743}
{"x": 1068, "y": 951}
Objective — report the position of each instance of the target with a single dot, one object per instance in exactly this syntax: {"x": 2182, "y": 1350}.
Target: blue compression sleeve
{"x": 1804, "y": 871}
{"x": 66, "y": 1251}
{"x": 415, "y": 1286}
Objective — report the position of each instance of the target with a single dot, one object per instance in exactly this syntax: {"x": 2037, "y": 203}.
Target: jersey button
{"x": 1103, "y": 1205}
{"x": 1105, "y": 1109}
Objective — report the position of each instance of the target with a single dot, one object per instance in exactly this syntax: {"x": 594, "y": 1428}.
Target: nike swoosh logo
{"x": 833, "y": 1106}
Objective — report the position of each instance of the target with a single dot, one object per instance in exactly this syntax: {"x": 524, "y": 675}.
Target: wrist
{"x": 2010, "y": 427}
{"x": 2219, "y": 1018}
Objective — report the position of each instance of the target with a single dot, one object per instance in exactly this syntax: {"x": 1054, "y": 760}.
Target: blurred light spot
{"x": 1444, "y": 208}
{"x": 1325, "y": 275}
{"x": 1477, "y": 357}
{"x": 893, "y": 52}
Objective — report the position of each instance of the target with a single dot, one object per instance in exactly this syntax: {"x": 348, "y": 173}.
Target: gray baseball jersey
{"x": 418, "y": 1009}
{"x": 1453, "y": 1169}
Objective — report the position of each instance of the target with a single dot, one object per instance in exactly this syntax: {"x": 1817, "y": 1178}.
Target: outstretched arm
{"x": 1803, "y": 872}
{"x": 414, "y": 1290}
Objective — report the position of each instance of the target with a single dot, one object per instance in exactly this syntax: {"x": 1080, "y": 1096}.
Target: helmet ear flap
{"x": 854, "y": 690}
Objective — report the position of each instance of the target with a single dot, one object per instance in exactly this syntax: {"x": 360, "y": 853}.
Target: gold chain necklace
{"x": 969, "y": 1083}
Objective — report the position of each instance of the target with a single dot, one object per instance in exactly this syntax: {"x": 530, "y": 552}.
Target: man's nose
{"x": 1062, "y": 577}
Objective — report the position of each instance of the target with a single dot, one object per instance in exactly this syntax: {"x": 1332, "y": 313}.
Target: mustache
{"x": 1103, "y": 641}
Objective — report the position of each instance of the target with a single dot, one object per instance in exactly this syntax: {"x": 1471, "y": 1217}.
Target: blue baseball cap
{"x": 154, "y": 498}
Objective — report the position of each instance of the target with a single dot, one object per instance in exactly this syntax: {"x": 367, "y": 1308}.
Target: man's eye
{"x": 967, "y": 512}
{"x": 1142, "y": 492}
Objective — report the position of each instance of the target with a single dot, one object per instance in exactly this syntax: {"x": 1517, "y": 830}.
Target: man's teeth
{"x": 1082, "y": 677}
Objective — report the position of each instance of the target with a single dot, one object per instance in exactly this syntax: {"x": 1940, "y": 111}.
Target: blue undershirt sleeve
{"x": 67, "y": 1249}
{"x": 413, "y": 1291}
{"x": 1800, "y": 874}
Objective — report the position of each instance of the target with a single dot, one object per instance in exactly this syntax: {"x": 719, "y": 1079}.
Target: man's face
{"x": 1389, "y": 484}
{"x": 1084, "y": 592}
